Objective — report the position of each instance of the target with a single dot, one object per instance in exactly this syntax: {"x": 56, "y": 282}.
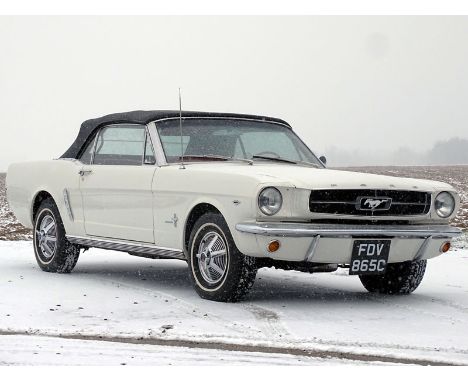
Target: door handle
{"x": 85, "y": 172}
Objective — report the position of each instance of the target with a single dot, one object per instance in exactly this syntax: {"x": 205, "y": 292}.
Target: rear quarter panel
{"x": 26, "y": 180}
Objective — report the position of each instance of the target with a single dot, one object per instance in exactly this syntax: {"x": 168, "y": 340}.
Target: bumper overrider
{"x": 332, "y": 243}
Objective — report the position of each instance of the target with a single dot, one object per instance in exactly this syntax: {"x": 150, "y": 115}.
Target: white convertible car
{"x": 229, "y": 194}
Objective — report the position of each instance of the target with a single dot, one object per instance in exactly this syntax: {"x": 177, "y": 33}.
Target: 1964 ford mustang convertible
{"x": 229, "y": 194}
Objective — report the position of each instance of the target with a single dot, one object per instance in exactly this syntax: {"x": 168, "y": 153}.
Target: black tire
{"x": 400, "y": 278}
{"x": 239, "y": 270}
{"x": 63, "y": 256}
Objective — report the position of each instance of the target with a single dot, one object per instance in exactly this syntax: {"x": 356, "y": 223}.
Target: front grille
{"x": 348, "y": 202}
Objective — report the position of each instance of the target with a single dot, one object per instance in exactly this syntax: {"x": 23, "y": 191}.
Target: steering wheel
{"x": 275, "y": 155}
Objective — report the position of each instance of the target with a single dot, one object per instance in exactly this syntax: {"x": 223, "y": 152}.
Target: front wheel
{"x": 218, "y": 270}
{"x": 399, "y": 278}
{"x": 54, "y": 253}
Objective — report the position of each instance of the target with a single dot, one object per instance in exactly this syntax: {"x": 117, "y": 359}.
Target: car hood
{"x": 315, "y": 178}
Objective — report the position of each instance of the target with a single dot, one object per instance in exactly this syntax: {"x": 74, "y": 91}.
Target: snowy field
{"x": 457, "y": 176}
{"x": 117, "y": 309}
{"x": 10, "y": 228}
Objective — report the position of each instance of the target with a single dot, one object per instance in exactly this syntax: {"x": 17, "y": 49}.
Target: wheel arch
{"x": 195, "y": 213}
{"x": 38, "y": 198}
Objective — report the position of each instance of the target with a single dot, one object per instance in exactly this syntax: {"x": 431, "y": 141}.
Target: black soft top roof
{"x": 143, "y": 117}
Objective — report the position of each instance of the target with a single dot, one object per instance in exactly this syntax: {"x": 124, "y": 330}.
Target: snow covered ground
{"x": 27, "y": 350}
{"x": 119, "y": 309}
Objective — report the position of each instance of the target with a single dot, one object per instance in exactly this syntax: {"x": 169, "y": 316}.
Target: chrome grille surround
{"x": 351, "y": 202}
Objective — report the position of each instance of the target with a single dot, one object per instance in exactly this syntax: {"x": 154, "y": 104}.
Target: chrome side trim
{"x": 157, "y": 145}
{"x": 345, "y": 230}
{"x": 148, "y": 138}
{"x": 66, "y": 199}
{"x": 422, "y": 249}
{"x": 127, "y": 246}
{"x": 95, "y": 139}
{"x": 312, "y": 248}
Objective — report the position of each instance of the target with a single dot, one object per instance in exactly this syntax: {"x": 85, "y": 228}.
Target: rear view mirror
{"x": 323, "y": 160}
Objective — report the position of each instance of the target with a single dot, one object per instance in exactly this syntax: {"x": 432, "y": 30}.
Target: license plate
{"x": 369, "y": 257}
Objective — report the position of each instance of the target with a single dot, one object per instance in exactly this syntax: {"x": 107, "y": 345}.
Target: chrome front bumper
{"x": 345, "y": 230}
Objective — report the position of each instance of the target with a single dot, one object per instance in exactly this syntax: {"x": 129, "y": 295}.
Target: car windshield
{"x": 226, "y": 139}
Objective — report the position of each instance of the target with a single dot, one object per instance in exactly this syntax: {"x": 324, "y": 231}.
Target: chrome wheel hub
{"x": 212, "y": 257}
{"x": 46, "y": 236}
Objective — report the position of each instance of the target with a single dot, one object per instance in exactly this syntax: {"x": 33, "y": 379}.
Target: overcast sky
{"x": 349, "y": 82}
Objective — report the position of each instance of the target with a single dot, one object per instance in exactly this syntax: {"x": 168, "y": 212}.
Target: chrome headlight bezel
{"x": 270, "y": 201}
{"x": 444, "y": 204}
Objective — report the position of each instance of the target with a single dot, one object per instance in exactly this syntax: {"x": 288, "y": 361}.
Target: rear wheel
{"x": 218, "y": 270}
{"x": 54, "y": 253}
{"x": 400, "y": 278}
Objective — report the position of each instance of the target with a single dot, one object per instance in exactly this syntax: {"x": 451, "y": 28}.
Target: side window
{"x": 149, "y": 152}
{"x": 120, "y": 145}
{"x": 86, "y": 156}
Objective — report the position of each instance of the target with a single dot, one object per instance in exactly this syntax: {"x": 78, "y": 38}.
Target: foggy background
{"x": 361, "y": 90}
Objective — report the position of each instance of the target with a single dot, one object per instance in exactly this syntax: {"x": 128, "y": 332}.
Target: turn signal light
{"x": 273, "y": 246}
{"x": 445, "y": 247}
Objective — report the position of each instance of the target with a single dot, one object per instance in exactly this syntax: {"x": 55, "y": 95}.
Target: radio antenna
{"x": 181, "y": 138}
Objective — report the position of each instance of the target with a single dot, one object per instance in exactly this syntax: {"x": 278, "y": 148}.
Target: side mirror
{"x": 150, "y": 160}
{"x": 323, "y": 160}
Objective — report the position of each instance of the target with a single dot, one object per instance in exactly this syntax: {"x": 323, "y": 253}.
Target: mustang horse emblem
{"x": 373, "y": 203}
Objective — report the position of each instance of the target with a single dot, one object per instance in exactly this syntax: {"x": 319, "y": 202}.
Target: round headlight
{"x": 444, "y": 204}
{"x": 270, "y": 201}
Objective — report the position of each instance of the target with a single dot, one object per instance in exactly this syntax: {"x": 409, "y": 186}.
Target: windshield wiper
{"x": 219, "y": 157}
{"x": 215, "y": 157}
{"x": 277, "y": 159}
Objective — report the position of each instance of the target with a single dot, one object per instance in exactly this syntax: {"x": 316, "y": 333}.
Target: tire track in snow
{"x": 270, "y": 321}
{"x": 450, "y": 304}
{"x": 389, "y": 301}
{"x": 189, "y": 308}
{"x": 313, "y": 353}
{"x": 393, "y": 347}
